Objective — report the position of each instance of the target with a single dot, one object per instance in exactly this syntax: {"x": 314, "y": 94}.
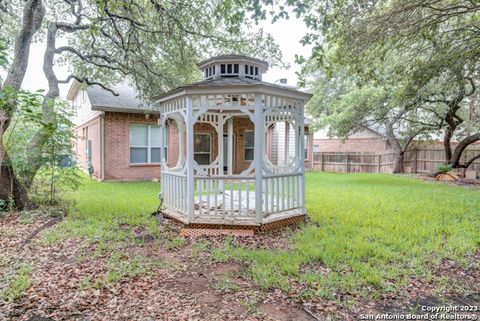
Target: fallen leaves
{"x": 73, "y": 279}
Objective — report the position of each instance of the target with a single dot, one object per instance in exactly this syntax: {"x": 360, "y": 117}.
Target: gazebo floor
{"x": 236, "y": 211}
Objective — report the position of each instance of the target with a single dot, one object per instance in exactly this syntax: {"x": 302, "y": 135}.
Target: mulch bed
{"x": 461, "y": 182}
{"x": 186, "y": 292}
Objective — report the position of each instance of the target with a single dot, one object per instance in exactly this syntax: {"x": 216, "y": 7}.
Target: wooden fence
{"x": 415, "y": 161}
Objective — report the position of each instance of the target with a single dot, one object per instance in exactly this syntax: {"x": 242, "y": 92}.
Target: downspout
{"x": 102, "y": 146}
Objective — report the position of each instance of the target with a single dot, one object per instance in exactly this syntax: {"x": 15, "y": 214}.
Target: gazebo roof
{"x": 230, "y": 83}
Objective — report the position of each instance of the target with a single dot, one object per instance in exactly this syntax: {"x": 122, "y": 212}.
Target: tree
{"x": 154, "y": 43}
{"x": 424, "y": 52}
{"x": 345, "y": 107}
{"x": 32, "y": 18}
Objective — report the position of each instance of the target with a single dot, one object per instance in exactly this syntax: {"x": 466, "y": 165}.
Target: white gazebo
{"x": 216, "y": 144}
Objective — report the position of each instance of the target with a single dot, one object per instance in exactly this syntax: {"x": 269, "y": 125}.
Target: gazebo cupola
{"x": 232, "y": 147}
{"x": 233, "y": 66}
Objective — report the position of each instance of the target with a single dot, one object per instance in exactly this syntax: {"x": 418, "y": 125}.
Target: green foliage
{"x": 418, "y": 54}
{"x": 52, "y": 182}
{"x": 122, "y": 266}
{"x": 108, "y": 212}
{"x": 443, "y": 169}
{"x": 158, "y": 46}
{"x": 3, "y": 52}
{"x": 175, "y": 243}
{"x": 57, "y": 172}
{"x": 225, "y": 285}
{"x": 13, "y": 285}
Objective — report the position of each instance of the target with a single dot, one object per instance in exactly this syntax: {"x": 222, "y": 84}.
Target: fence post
{"x": 322, "y": 166}
{"x": 415, "y": 156}
{"x": 346, "y": 163}
{"x": 379, "y": 167}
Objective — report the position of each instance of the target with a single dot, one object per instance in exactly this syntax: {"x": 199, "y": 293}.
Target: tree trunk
{"x": 398, "y": 162}
{"x": 13, "y": 190}
{"x": 40, "y": 138}
{"x": 447, "y": 143}
{"x": 33, "y": 13}
{"x": 397, "y": 149}
{"x": 458, "y": 152}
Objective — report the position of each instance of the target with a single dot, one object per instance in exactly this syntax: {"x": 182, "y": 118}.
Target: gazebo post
{"x": 287, "y": 142}
{"x": 162, "y": 149}
{"x": 301, "y": 143}
{"x": 258, "y": 155}
{"x": 230, "y": 145}
{"x": 190, "y": 179}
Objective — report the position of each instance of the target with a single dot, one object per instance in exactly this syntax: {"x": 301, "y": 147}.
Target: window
{"x": 305, "y": 146}
{"x": 229, "y": 70}
{"x": 316, "y": 148}
{"x": 251, "y": 72}
{"x": 144, "y": 144}
{"x": 201, "y": 151}
{"x": 249, "y": 143}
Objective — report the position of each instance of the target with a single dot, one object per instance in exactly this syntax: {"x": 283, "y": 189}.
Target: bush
{"x": 443, "y": 169}
{"x": 58, "y": 172}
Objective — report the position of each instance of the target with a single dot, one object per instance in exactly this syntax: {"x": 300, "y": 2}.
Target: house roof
{"x": 378, "y": 129}
{"x": 127, "y": 99}
{"x": 232, "y": 81}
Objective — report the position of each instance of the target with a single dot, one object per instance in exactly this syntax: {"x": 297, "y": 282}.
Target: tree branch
{"x": 470, "y": 161}
{"x": 88, "y": 82}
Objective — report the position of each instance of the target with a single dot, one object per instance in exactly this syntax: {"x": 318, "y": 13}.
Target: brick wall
{"x": 352, "y": 145}
{"x": 117, "y": 148}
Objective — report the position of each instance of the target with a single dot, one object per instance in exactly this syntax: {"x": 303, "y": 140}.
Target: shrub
{"x": 443, "y": 169}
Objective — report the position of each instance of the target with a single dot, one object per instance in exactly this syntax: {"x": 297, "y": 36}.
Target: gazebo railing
{"x": 211, "y": 170}
{"x": 174, "y": 191}
{"x": 232, "y": 199}
{"x": 281, "y": 192}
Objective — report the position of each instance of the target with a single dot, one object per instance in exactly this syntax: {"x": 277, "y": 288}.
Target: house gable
{"x": 78, "y": 97}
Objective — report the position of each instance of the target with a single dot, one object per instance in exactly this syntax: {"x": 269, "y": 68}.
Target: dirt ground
{"x": 196, "y": 289}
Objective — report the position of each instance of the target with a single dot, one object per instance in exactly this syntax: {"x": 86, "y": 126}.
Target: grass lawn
{"x": 370, "y": 233}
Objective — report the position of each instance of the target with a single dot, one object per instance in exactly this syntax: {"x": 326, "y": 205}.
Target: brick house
{"x": 367, "y": 140}
{"x": 117, "y": 137}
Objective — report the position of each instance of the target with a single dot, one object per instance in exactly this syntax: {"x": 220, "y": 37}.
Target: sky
{"x": 287, "y": 33}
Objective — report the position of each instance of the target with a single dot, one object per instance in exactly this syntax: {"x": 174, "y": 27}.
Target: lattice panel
{"x": 172, "y": 105}
{"x": 199, "y": 232}
{"x": 231, "y": 101}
